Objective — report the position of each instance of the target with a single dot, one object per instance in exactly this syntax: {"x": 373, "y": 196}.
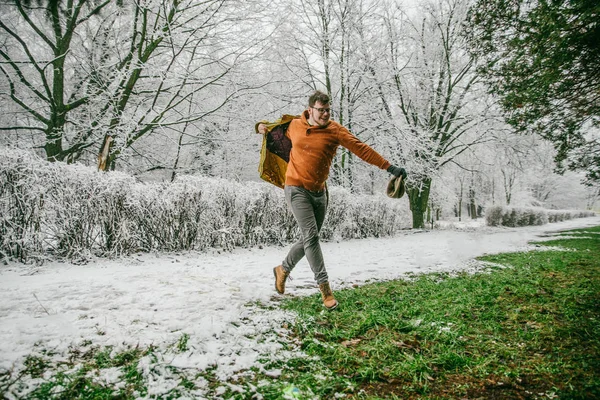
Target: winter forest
{"x": 161, "y": 90}
{"x": 139, "y": 247}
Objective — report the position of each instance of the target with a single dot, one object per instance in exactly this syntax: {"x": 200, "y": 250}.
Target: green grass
{"x": 80, "y": 383}
{"x": 526, "y": 327}
{"x": 527, "y": 330}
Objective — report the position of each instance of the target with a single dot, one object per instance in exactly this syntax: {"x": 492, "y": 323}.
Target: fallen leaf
{"x": 351, "y": 342}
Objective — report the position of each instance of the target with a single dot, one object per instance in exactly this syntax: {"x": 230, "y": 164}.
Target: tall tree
{"x": 98, "y": 77}
{"x": 38, "y": 59}
{"x": 440, "y": 112}
{"x": 177, "y": 71}
{"x": 541, "y": 58}
{"x": 326, "y": 53}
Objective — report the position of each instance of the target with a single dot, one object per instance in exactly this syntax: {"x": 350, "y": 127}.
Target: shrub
{"x": 74, "y": 212}
{"x": 514, "y": 216}
{"x": 493, "y": 215}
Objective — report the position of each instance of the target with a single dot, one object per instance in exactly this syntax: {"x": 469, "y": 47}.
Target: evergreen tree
{"x": 541, "y": 58}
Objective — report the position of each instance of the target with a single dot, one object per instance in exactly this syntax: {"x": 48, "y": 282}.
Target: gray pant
{"x": 309, "y": 209}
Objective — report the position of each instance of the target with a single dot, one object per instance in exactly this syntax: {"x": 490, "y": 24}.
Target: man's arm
{"x": 361, "y": 149}
{"x": 366, "y": 153}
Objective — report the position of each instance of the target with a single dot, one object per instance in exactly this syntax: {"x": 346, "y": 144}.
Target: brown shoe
{"x": 328, "y": 300}
{"x": 280, "y": 277}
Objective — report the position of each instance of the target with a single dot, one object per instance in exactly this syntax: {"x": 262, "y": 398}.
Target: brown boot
{"x": 280, "y": 277}
{"x": 328, "y": 300}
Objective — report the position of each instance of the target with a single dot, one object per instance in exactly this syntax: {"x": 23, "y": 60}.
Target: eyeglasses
{"x": 322, "y": 110}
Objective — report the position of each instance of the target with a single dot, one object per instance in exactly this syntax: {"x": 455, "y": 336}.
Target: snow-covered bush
{"x": 515, "y": 216}
{"x": 53, "y": 208}
{"x": 564, "y": 215}
{"x": 72, "y": 211}
{"x": 167, "y": 217}
{"x": 352, "y": 216}
{"x": 20, "y": 203}
{"x": 493, "y": 215}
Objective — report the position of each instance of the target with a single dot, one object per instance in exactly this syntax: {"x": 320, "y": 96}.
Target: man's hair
{"x": 319, "y": 96}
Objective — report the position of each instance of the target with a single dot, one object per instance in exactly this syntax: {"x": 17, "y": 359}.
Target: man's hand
{"x": 397, "y": 171}
{"x": 262, "y": 128}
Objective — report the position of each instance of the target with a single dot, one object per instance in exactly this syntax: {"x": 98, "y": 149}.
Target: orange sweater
{"x": 313, "y": 149}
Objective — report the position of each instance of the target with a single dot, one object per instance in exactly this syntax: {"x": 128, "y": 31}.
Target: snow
{"x": 208, "y": 303}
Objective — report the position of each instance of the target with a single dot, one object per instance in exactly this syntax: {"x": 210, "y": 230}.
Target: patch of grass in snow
{"x": 182, "y": 343}
{"x": 92, "y": 373}
{"x": 527, "y": 331}
{"x": 36, "y": 365}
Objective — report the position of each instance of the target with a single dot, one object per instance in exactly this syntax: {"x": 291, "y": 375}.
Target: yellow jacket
{"x": 275, "y": 151}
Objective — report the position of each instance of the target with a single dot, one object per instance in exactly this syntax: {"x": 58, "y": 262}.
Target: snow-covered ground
{"x": 158, "y": 298}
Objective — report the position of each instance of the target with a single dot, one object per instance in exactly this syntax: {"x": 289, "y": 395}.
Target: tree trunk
{"x": 472, "y": 207}
{"x": 58, "y": 111}
{"x": 418, "y": 196}
{"x": 105, "y": 158}
{"x": 53, "y": 145}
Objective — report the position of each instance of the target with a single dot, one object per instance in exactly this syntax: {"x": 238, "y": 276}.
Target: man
{"x": 314, "y": 142}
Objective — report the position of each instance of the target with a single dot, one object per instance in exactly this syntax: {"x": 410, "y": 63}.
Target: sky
{"x": 155, "y": 299}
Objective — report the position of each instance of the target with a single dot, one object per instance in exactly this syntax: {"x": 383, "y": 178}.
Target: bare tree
{"x": 100, "y": 76}
{"x": 441, "y": 108}
{"x": 39, "y": 64}
{"x": 325, "y": 49}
